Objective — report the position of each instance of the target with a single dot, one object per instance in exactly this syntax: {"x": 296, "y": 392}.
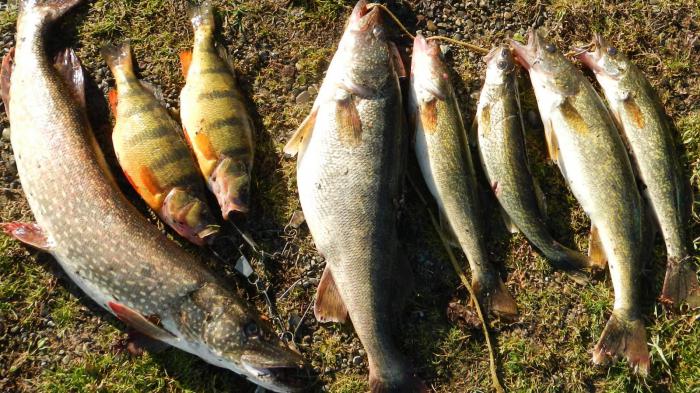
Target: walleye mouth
{"x": 526, "y": 55}
{"x": 363, "y": 17}
{"x": 589, "y": 56}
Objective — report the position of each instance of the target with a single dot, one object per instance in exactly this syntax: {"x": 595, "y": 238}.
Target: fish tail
{"x": 189, "y": 216}
{"x": 50, "y": 10}
{"x": 202, "y": 16}
{"x": 406, "y": 383}
{"x": 495, "y": 298}
{"x": 681, "y": 283}
{"x": 118, "y": 57}
{"x": 230, "y": 183}
{"x": 624, "y": 336}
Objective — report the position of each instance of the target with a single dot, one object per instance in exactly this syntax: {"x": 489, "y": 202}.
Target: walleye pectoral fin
{"x": 428, "y": 116}
{"x": 595, "y": 250}
{"x": 185, "y": 61}
{"x": 28, "y": 233}
{"x": 355, "y": 89}
{"x": 139, "y": 322}
{"x": 71, "y": 71}
{"x": 349, "y": 123}
{"x": 301, "y": 136}
{"x": 329, "y": 306}
{"x": 552, "y": 146}
{"x": 397, "y": 61}
{"x": 634, "y": 111}
{"x": 8, "y": 63}
{"x": 113, "y": 99}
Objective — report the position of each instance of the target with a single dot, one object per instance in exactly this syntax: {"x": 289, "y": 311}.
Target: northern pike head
{"x": 228, "y": 334}
{"x": 499, "y": 65}
{"x": 546, "y": 63}
{"x": 429, "y": 77}
{"x": 604, "y": 60}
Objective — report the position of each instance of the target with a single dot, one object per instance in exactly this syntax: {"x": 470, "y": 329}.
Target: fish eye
{"x": 378, "y": 32}
{"x": 502, "y": 64}
{"x": 251, "y": 330}
{"x": 612, "y": 51}
{"x": 550, "y": 48}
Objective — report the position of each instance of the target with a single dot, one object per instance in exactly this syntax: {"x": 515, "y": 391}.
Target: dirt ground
{"x": 53, "y": 338}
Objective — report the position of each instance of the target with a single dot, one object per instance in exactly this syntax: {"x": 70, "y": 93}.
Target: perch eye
{"x": 612, "y": 51}
{"x": 550, "y": 48}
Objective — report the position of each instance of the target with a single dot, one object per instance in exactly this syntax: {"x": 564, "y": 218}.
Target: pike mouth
{"x": 290, "y": 378}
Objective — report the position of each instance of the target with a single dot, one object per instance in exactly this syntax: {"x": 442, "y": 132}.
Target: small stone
{"x": 508, "y": 15}
{"x": 431, "y": 26}
{"x": 6, "y": 134}
{"x": 303, "y": 97}
{"x": 313, "y": 90}
{"x": 357, "y": 360}
{"x": 445, "y": 49}
{"x": 289, "y": 70}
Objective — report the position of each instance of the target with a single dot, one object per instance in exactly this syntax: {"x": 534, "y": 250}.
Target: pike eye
{"x": 612, "y": 51}
{"x": 251, "y": 330}
{"x": 550, "y": 48}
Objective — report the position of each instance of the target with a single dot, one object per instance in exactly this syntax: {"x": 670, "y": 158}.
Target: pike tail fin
{"x": 624, "y": 336}
{"x": 496, "y": 299}
{"x": 681, "y": 283}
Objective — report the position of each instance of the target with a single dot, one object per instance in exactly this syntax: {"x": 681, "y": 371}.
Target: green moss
{"x": 349, "y": 384}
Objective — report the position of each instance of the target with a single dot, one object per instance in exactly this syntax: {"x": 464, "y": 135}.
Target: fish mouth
{"x": 527, "y": 55}
{"x": 590, "y": 58}
{"x": 423, "y": 50}
{"x": 363, "y": 17}
{"x": 502, "y": 56}
{"x": 277, "y": 374}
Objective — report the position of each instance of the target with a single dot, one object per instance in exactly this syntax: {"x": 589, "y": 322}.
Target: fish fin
{"x": 406, "y": 382}
{"x": 185, "y": 61}
{"x": 473, "y": 134}
{"x": 428, "y": 116}
{"x": 496, "y": 300}
{"x": 447, "y": 231}
{"x": 329, "y": 306}
{"x": 551, "y": 137}
{"x": 118, "y": 56}
{"x": 53, "y": 9}
{"x": 137, "y": 343}
{"x": 572, "y": 116}
{"x": 355, "y": 89}
{"x": 203, "y": 145}
{"x": 349, "y": 123}
{"x": 626, "y": 337}
{"x": 202, "y": 15}
{"x": 146, "y": 325}
{"x": 300, "y": 138}
{"x": 8, "y": 63}
{"x": 397, "y": 61}
{"x": 539, "y": 194}
{"x": 681, "y": 283}
{"x": 71, "y": 71}
{"x": 633, "y": 110}
{"x": 152, "y": 187}
{"x": 508, "y": 222}
{"x": 155, "y": 90}
{"x": 596, "y": 253}
{"x": 226, "y": 58}
{"x": 113, "y": 99}
{"x": 28, "y": 233}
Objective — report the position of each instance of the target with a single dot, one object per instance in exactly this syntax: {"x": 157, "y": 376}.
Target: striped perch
{"x": 153, "y": 154}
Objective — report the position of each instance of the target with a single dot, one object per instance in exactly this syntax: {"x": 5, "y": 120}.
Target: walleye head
{"x": 604, "y": 60}
{"x": 546, "y": 63}
{"x": 499, "y": 65}
{"x": 232, "y": 336}
{"x": 429, "y": 75}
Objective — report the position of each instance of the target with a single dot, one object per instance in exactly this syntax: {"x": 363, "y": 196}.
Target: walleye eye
{"x": 612, "y": 51}
{"x": 501, "y": 65}
{"x": 378, "y": 32}
{"x": 550, "y": 48}
{"x": 251, "y": 330}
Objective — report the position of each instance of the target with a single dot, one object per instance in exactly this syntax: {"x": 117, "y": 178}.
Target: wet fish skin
{"x": 446, "y": 163}
{"x": 592, "y": 157}
{"x": 216, "y": 121}
{"x": 349, "y": 173}
{"x": 154, "y": 156}
{"x": 644, "y": 125}
{"x": 102, "y": 242}
{"x": 504, "y": 157}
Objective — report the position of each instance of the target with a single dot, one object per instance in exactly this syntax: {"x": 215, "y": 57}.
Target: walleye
{"x": 504, "y": 158}
{"x": 446, "y": 163}
{"x": 349, "y": 172}
{"x": 216, "y": 122}
{"x": 155, "y": 158}
{"x": 101, "y": 241}
{"x": 582, "y": 139}
{"x": 641, "y": 119}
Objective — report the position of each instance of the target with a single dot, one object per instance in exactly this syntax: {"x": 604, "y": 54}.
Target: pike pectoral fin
{"x": 28, "y": 233}
{"x": 595, "y": 250}
{"x": 301, "y": 136}
{"x": 8, "y": 62}
{"x": 185, "y": 61}
{"x": 71, "y": 71}
{"x": 139, "y": 322}
{"x": 329, "y": 306}
{"x": 349, "y": 123}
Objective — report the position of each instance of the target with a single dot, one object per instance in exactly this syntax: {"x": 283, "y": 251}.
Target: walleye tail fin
{"x": 329, "y": 306}
{"x": 681, "y": 283}
{"x": 496, "y": 300}
{"x": 202, "y": 16}
{"x": 28, "y": 233}
{"x": 407, "y": 383}
{"x": 49, "y": 9}
{"x": 596, "y": 253}
{"x": 118, "y": 56}
{"x": 8, "y": 63}
{"x": 626, "y": 337}
{"x": 69, "y": 68}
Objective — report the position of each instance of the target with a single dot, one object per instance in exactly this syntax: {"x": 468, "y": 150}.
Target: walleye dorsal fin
{"x": 349, "y": 123}
{"x": 28, "y": 233}
{"x": 301, "y": 136}
{"x": 428, "y": 116}
{"x": 185, "y": 61}
{"x": 595, "y": 250}
{"x": 329, "y": 306}
{"x": 397, "y": 60}
{"x": 148, "y": 326}
{"x": 70, "y": 70}
{"x": 8, "y": 63}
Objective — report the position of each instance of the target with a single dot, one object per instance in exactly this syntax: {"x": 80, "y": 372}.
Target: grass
{"x": 55, "y": 340}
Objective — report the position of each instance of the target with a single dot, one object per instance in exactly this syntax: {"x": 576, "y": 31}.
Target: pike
{"x": 446, "y": 163}
{"x": 351, "y": 149}
{"x": 583, "y": 141}
{"x": 644, "y": 126}
{"x": 504, "y": 158}
{"x": 152, "y": 153}
{"x": 217, "y": 125}
{"x": 100, "y": 240}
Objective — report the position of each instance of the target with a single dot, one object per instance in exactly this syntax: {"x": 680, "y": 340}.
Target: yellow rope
{"x": 462, "y": 276}
{"x": 393, "y": 17}
{"x": 467, "y": 45}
